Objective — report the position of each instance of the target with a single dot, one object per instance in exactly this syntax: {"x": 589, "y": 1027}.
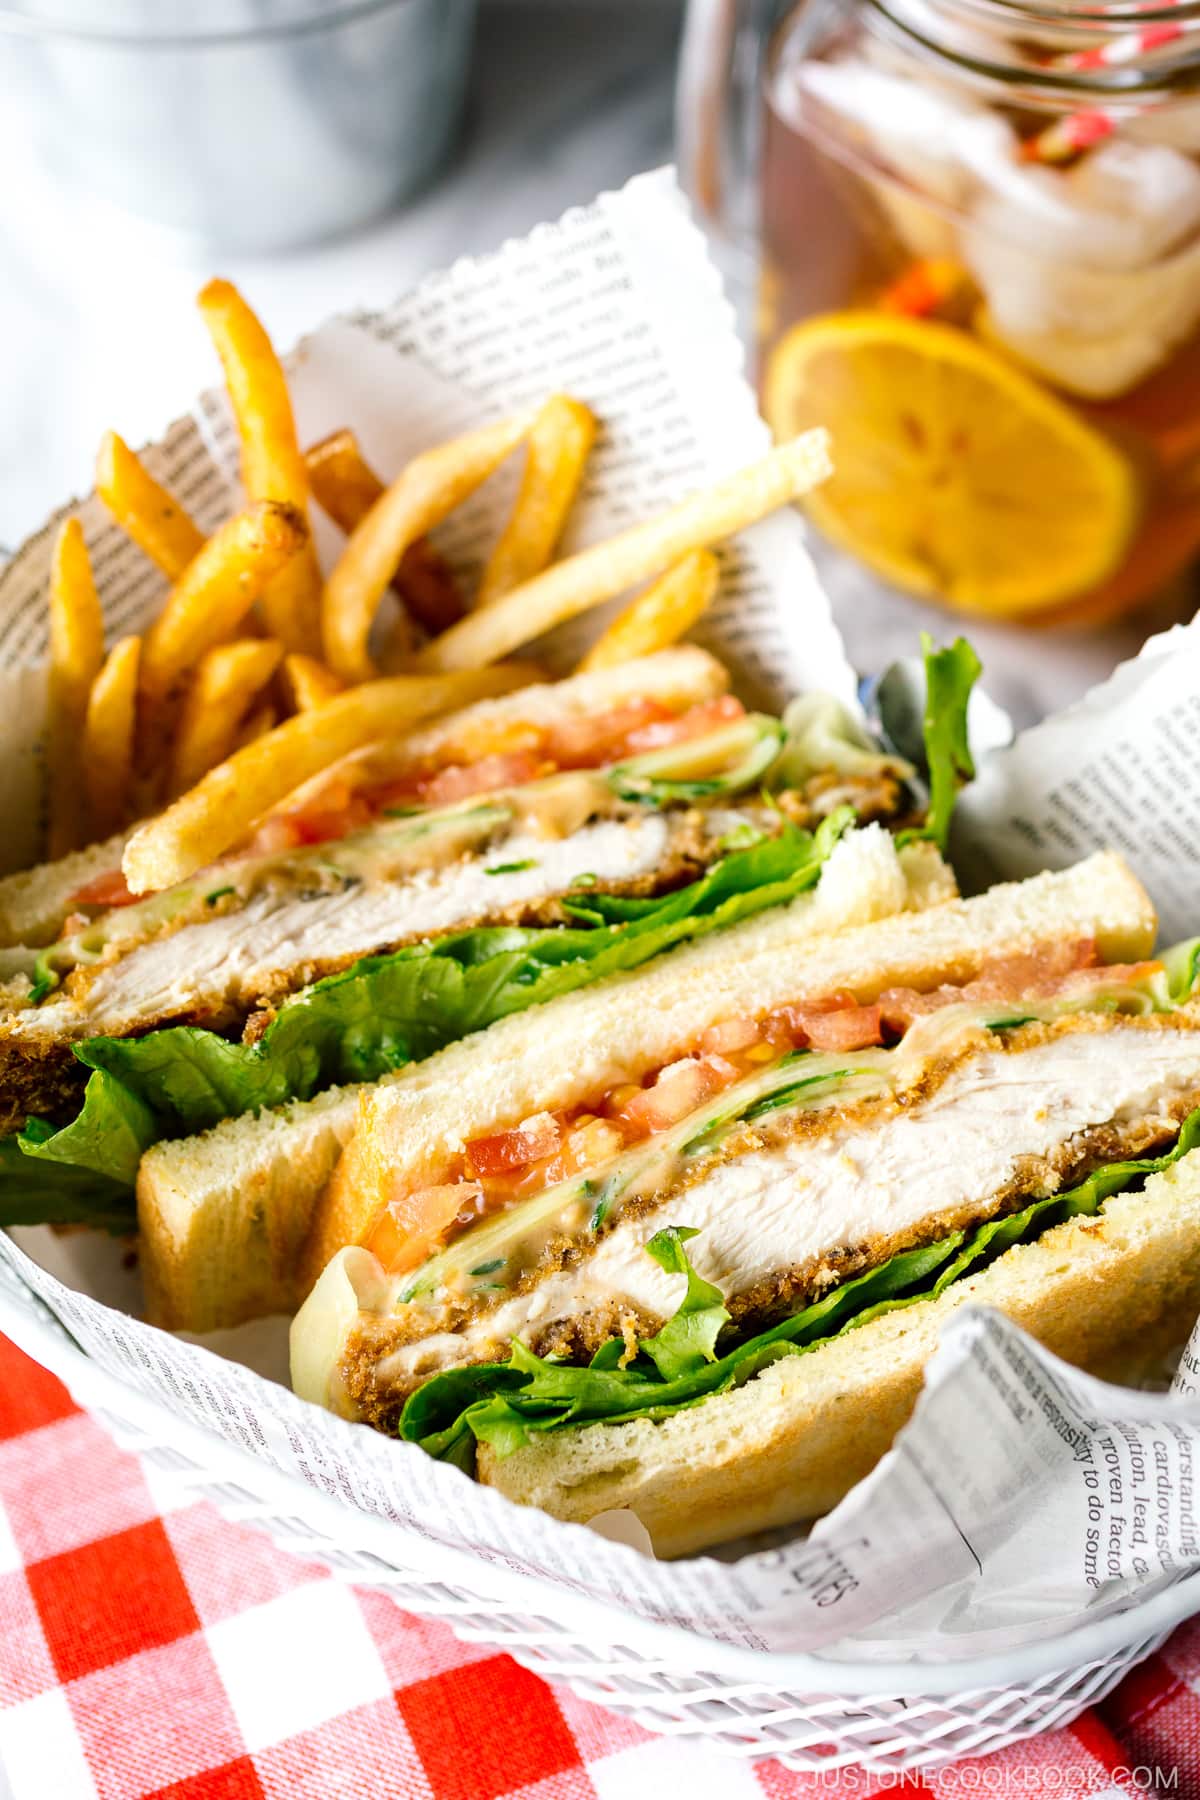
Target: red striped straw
{"x": 1069, "y": 137}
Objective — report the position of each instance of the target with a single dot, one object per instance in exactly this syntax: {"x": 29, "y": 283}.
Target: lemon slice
{"x": 955, "y": 475}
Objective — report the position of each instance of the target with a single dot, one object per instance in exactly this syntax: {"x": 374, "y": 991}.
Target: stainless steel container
{"x": 249, "y": 124}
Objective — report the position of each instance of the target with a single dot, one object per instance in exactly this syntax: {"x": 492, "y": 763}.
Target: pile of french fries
{"x": 259, "y": 673}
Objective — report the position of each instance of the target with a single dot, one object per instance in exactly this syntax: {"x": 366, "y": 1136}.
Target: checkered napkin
{"x": 150, "y": 1651}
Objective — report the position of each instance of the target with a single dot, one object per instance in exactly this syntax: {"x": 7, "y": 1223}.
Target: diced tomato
{"x": 586, "y": 1146}
{"x": 696, "y": 722}
{"x": 109, "y": 889}
{"x": 1030, "y": 975}
{"x": 276, "y": 834}
{"x": 901, "y": 1007}
{"x": 834, "y": 1022}
{"x": 849, "y": 1028}
{"x": 320, "y": 824}
{"x": 412, "y": 1225}
{"x": 731, "y": 1035}
{"x": 594, "y": 738}
{"x": 460, "y": 781}
{"x": 531, "y": 1141}
{"x": 677, "y": 1091}
{"x": 332, "y": 813}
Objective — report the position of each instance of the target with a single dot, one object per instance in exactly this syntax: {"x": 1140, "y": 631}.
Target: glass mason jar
{"x": 978, "y": 227}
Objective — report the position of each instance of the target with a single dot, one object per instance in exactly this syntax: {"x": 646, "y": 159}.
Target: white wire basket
{"x": 811, "y": 1713}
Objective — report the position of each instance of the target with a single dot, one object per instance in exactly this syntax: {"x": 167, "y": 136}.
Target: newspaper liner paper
{"x": 1117, "y": 768}
{"x": 974, "y": 1532}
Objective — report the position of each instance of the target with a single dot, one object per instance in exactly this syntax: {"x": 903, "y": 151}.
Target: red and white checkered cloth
{"x": 149, "y": 1650}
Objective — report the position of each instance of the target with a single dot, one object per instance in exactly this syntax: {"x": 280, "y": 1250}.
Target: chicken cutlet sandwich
{"x": 630, "y": 782}
{"x": 691, "y": 1260}
{"x": 230, "y": 1137}
{"x": 223, "y": 1214}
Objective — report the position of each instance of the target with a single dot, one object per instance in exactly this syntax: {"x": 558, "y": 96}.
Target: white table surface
{"x": 99, "y": 331}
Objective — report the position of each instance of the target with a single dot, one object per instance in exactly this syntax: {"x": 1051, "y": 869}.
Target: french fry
{"x": 219, "y": 810}
{"x": 264, "y": 718}
{"x": 607, "y": 569}
{"x": 217, "y": 590}
{"x": 310, "y": 683}
{"x": 144, "y": 509}
{"x": 76, "y": 654}
{"x": 228, "y": 678}
{"x": 427, "y": 490}
{"x": 108, "y": 736}
{"x": 342, "y": 481}
{"x": 562, "y": 436}
{"x": 272, "y": 466}
{"x": 661, "y": 613}
{"x": 346, "y": 487}
{"x": 425, "y": 583}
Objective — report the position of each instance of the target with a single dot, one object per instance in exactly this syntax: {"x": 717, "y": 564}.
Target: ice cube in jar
{"x": 981, "y": 270}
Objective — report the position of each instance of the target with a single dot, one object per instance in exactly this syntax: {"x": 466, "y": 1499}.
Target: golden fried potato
{"x": 310, "y": 683}
{"x": 431, "y": 486}
{"x": 217, "y": 701}
{"x": 346, "y": 487}
{"x": 217, "y": 591}
{"x": 144, "y": 509}
{"x": 607, "y": 569}
{"x": 76, "y": 655}
{"x": 272, "y": 466}
{"x": 562, "y": 436}
{"x": 108, "y": 740}
{"x": 660, "y": 615}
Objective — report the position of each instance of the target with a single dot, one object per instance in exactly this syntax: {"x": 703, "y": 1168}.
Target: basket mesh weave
{"x": 886, "y": 1732}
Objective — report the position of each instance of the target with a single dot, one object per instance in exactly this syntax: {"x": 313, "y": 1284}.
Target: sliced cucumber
{"x": 727, "y": 761}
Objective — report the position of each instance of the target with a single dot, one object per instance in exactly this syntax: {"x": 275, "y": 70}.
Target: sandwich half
{"x": 630, "y": 782}
{"x": 579, "y": 1256}
{"x": 224, "y": 1214}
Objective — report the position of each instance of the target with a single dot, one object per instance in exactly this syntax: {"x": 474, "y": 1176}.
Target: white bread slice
{"x": 34, "y": 903}
{"x": 223, "y": 1215}
{"x": 1109, "y": 1294}
{"x": 411, "y": 1133}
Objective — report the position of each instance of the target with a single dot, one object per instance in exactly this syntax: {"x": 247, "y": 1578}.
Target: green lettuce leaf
{"x": 1182, "y": 966}
{"x": 386, "y": 1011}
{"x": 108, "y": 1135}
{"x": 950, "y": 674}
{"x": 503, "y": 1403}
{"x": 34, "y": 1192}
{"x": 688, "y": 1340}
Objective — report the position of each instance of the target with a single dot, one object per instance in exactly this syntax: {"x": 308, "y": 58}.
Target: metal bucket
{"x": 248, "y": 124}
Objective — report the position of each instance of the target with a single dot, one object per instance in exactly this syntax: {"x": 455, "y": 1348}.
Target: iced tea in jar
{"x": 979, "y": 232}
